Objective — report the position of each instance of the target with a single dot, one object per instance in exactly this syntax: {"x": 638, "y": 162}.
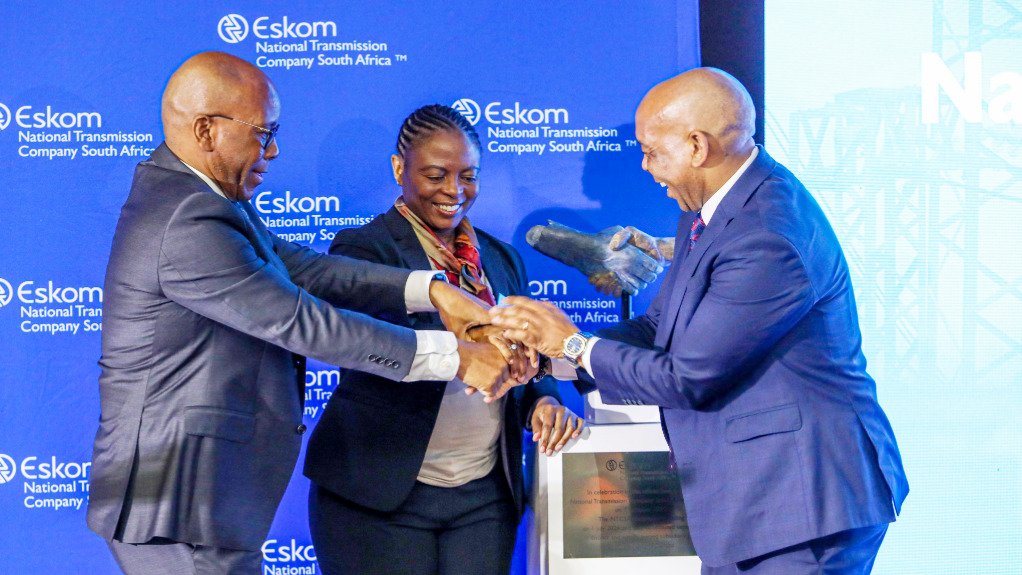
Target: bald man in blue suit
{"x": 751, "y": 348}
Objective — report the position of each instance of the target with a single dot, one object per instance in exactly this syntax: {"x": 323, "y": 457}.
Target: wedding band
{"x": 525, "y": 326}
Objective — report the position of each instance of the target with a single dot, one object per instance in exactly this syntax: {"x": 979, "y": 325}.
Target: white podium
{"x": 608, "y": 504}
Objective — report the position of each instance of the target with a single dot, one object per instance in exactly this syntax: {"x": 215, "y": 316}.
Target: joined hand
{"x": 483, "y": 368}
{"x": 459, "y": 310}
{"x": 538, "y": 324}
{"x": 522, "y": 360}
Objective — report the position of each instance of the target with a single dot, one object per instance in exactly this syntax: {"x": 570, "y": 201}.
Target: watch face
{"x": 574, "y": 345}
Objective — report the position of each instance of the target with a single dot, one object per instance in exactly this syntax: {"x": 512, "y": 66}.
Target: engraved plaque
{"x": 623, "y": 505}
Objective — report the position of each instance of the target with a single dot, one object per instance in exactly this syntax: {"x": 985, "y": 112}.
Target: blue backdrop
{"x": 551, "y": 88}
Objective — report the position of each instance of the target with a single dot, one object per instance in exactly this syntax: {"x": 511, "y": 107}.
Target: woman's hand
{"x": 522, "y": 361}
{"x": 458, "y": 309}
{"x": 553, "y": 425}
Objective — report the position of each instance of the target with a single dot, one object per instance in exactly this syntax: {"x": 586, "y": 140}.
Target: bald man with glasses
{"x": 207, "y": 319}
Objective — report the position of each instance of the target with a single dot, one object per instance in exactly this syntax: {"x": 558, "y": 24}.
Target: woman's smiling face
{"x": 438, "y": 178}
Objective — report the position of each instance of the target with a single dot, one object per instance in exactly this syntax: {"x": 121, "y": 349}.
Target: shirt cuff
{"x": 562, "y": 370}
{"x": 584, "y": 360}
{"x": 436, "y": 357}
{"x": 417, "y": 291}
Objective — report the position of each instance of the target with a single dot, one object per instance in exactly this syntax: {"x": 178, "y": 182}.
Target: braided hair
{"x": 428, "y": 120}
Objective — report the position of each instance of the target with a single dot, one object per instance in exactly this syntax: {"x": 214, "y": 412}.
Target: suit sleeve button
{"x": 300, "y": 429}
{"x": 373, "y": 357}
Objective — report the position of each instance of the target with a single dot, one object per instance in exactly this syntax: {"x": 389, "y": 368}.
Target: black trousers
{"x": 462, "y": 530}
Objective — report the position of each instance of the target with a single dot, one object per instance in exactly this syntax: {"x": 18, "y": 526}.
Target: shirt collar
{"x": 208, "y": 180}
{"x": 711, "y": 204}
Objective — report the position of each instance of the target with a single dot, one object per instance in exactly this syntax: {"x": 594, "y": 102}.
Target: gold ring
{"x": 525, "y": 326}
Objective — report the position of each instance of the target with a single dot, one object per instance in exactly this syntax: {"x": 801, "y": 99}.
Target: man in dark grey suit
{"x": 206, "y": 317}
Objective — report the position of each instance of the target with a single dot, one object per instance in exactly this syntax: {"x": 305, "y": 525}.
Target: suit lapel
{"x": 260, "y": 236}
{"x": 414, "y": 257}
{"x": 675, "y": 282}
{"x": 729, "y": 207}
{"x": 409, "y": 249}
{"x": 496, "y": 273}
{"x": 410, "y": 255}
{"x": 164, "y": 158}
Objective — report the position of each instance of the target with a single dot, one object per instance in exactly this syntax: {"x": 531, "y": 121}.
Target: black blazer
{"x": 371, "y": 440}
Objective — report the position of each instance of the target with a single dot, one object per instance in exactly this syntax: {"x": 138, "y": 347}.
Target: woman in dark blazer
{"x": 421, "y": 477}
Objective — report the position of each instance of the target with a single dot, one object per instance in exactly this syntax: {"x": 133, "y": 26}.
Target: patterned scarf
{"x": 462, "y": 266}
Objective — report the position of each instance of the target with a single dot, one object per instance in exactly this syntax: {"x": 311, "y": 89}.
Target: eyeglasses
{"x": 267, "y": 133}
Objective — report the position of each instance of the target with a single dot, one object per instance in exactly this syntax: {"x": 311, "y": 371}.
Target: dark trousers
{"x": 850, "y": 552}
{"x": 166, "y": 557}
{"x": 462, "y": 530}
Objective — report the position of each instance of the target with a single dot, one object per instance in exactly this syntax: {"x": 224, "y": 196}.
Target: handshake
{"x": 501, "y": 348}
{"x": 489, "y": 362}
{"x": 493, "y": 361}
{"x": 615, "y": 260}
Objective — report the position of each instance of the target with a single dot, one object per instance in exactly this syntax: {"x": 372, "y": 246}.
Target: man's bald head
{"x": 696, "y": 130}
{"x": 705, "y": 99}
{"x": 216, "y": 110}
{"x": 211, "y": 83}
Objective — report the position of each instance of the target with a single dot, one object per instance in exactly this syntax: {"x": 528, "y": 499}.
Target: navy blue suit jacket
{"x": 370, "y": 442}
{"x": 752, "y": 349}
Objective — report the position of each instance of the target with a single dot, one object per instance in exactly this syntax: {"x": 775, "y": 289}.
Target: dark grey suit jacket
{"x": 201, "y": 395}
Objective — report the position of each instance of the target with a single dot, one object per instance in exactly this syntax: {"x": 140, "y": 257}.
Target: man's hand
{"x": 659, "y": 249}
{"x": 522, "y": 360}
{"x": 553, "y": 425}
{"x": 538, "y": 324}
{"x": 483, "y": 367}
{"x": 459, "y": 310}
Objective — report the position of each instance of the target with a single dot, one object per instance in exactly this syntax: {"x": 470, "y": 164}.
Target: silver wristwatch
{"x": 574, "y": 346}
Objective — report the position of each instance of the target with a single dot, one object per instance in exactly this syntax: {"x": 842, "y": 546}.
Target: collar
{"x": 711, "y": 204}
{"x": 208, "y": 180}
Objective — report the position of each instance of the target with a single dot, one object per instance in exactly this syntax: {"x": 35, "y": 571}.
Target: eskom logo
{"x": 516, "y": 114}
{"x": 468, "y": 108}
{"x": 27, "y": 117}
{"x": 287, "y": 552}
{"x": 233, "y": 28}
{"x": 6, "y": 292}
{"x": 266, "y": 203}
{"x": 5, "y": 116}
{"x": 50, "y": 469}
{"x": 8, "y": 468}
{"x": 28, "y": 293}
